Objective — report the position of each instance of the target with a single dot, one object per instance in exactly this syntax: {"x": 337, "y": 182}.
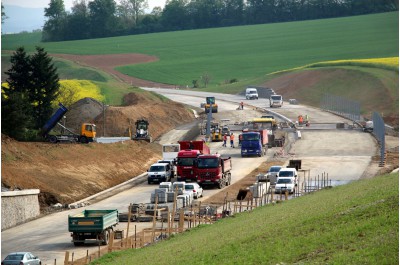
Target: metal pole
{"x": 104, "y": 120}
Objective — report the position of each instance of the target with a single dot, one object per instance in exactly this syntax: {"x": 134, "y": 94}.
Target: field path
{"x": 108, "y": 62}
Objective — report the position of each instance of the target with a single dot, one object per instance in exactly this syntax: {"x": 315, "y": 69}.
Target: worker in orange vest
{"x": 232, "y": 137}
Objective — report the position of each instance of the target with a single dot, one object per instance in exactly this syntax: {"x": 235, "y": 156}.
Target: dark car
{"x": 21, "y": 258}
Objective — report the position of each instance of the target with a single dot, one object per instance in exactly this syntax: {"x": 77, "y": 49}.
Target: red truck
{"x": 214, "y": 170}
{"x": 186, "y": 159}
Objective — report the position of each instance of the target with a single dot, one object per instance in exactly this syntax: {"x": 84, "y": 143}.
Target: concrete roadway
{"x": 344, "y": 155}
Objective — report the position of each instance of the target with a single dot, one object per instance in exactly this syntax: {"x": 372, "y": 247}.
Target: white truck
{"x": 275, "y": 101}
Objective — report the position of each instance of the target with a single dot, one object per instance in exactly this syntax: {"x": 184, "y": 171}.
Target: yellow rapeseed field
{"x": 74, "y": 90}
{"x": 389, "y": 63}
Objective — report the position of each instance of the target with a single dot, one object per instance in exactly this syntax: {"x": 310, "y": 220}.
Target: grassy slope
{"x": 376, "y": 89}
{"x": 356, "y": 223}
{"x": 244, "y": 52}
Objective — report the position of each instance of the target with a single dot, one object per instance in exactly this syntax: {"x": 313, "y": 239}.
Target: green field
{"x": 245, "y": 53}
{"x": 356, "y": 223}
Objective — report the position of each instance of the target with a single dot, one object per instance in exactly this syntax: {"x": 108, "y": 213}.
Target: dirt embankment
{"x": 69, "y": 172}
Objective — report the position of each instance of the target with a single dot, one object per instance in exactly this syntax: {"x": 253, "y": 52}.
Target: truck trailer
{"x": 86, "y": 135}
{"x": 213, "y": 170}
{"x": 92, "y": 224}
{"x": 189, "y": 151}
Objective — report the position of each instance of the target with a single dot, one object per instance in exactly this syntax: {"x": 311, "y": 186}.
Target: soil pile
{"x": 66, "y": 172}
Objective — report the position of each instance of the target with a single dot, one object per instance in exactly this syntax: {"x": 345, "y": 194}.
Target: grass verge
{"x": 356, "y": 223}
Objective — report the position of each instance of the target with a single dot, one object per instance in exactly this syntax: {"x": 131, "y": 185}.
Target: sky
{"x": 67, "y": 3}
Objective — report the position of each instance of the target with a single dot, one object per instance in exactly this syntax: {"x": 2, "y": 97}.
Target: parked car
{"x": 287, "y": 180}
{"x": 273, "y": 173}
{"x": 286, "y": 184}
{"x": 21, "y": 258}
{"x": 195, "y": 188}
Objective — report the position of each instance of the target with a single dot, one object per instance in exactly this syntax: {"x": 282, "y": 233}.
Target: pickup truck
{"x": 92, "y": 224}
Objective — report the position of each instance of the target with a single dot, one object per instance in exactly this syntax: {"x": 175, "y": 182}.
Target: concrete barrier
{"x": 17, "y": 207}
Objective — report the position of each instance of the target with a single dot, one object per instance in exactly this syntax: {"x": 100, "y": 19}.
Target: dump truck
{"x": 186, "y": 158}
{"x": 86, "y": 135}
{"x": 212, "y": 169}
{"x": 92, "y": 224}
{"x": 254, "y": 143}
{"x": 142, "y": 130}
{"x": 210, "y": 103}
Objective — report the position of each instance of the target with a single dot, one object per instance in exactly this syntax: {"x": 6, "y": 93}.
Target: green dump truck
{"x": 92, "y": 224}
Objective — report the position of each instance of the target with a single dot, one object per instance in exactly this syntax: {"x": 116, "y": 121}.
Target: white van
{"x": 251, "y": 93}
{"x": 275, "y": 101}
{"x": 159, "y": 172}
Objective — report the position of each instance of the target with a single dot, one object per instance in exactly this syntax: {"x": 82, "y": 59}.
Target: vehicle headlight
{"x": 244, "y": 150}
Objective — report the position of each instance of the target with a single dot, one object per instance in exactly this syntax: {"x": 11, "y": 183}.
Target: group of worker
{"x": 304, "y": 120}
{"x": 231, "y": 138}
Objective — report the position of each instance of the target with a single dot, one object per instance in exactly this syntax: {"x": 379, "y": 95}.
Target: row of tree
{"x": 106, "y": 18}
{"x": 26, "y": 99}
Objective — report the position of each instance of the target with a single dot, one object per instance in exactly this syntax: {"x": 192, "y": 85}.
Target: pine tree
{"x": 15, "y": 101}
{"x": 45, "y": 86}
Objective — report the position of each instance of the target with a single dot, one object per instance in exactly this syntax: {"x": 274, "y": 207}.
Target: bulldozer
{"x": 142, "y": 131}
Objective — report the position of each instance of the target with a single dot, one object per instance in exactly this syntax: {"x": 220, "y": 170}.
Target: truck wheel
{"x": 106, "y": 237}
{"x": 53, "y": 139}
{"x": 221, "y": 184}
{"x": 83, "y": 140}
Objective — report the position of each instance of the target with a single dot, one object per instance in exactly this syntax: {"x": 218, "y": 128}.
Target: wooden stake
{"x": 66, "y": 258}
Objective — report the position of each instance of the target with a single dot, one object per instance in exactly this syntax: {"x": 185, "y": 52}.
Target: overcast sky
{"x": 67, "y": 3}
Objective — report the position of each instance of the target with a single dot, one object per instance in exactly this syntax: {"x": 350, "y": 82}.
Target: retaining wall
{"x": 17, "y": 207}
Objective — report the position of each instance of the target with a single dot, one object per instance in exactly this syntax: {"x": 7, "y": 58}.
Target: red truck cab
{"x": 186, "y": 159}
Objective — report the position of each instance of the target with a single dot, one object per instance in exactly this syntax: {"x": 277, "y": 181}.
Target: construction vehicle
{"x": 254, "y": 143}
{"x": 210, "y": 103}
{"x": 92, "y": 224}
{"x": 212, "y": 169}
{"x": 216, "y": 132}
{"x": 186, "y": 159}
{"x": 142, "y": 131}
{"x": 87, "y": 132}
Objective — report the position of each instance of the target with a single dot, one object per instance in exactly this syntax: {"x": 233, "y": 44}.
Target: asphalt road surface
{"x": 343, "y": 154}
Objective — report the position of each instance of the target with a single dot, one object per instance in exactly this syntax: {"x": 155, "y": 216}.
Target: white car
{"x": 286, "y": 184}
{"x": 195, "y": 188}
{"x": 21, "y": 258}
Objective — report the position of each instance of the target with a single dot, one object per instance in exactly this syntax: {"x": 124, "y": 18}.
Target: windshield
{"x": 274, "y": 169}
{"x": 276, "y": 97}
{"x": 187, "y": 161}
{"x": 14, "y": 257}
{"x": 251, "y": 137}
{"x": 262, "y": 125}
{"x": 189, "y": 187}
{"x": 157, "y": 168}
{"x": 284, "y": 181}
{"x": 253, "y": 92}
{"x": 207, "y": 163}
{"x": 286, "y": 174}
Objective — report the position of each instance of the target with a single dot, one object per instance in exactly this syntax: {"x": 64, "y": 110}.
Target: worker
{"x": 240, "y": 138}
{"x": 225, "y": 138}
{"x": 300, "y": 120}
{"x": 241, "y": 105}
{"x": 232, "y": 137}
